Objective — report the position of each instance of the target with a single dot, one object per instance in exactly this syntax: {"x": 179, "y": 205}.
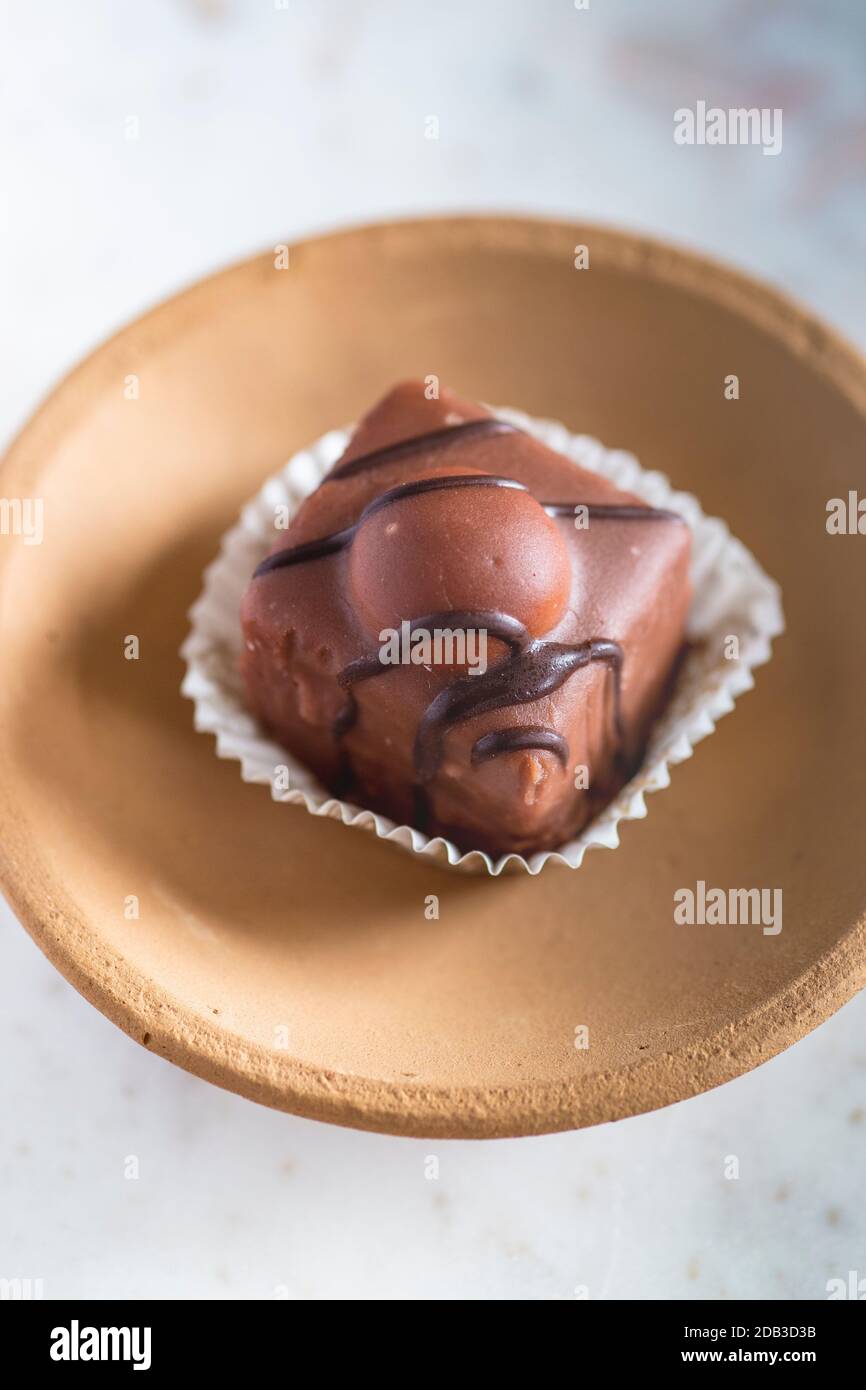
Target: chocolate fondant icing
{"x": 439, "y": 516}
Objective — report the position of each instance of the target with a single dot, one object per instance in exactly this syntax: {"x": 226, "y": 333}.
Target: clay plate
{"x": 290, "y": 959}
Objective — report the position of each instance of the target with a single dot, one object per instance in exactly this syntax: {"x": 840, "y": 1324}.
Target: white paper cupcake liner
{"x": 732, "y": 597}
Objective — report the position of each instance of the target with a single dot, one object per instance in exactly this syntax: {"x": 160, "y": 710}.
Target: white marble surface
{"x": 256, "y": 124}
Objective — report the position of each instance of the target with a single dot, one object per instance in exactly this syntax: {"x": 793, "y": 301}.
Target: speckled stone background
{"x": 259, "y": 124}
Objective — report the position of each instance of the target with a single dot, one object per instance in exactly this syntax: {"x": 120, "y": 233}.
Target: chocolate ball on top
{"x": 459, "y": 543}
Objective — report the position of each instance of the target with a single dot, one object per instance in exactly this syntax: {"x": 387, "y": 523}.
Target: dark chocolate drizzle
{"x": 494, "y": 624}
{"x": 339, "y": 540}
{"x": 537, "y": 668}
{"x": 310, "y": 550}
{"x": 420, "y": 443}
{"x": 519, "y": 737}
{"x": 611, "y": 511}
{"x": 443, "y": 438}
{"x": 533, "y": 668}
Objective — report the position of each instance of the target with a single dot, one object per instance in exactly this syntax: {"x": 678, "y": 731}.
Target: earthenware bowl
{"x": 315, "y": 969}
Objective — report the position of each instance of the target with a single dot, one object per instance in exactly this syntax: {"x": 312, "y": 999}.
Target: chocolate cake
{"x": 464, "y": 630}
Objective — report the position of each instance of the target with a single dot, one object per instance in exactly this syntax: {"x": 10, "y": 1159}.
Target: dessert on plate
{"x": 465, "y": 631}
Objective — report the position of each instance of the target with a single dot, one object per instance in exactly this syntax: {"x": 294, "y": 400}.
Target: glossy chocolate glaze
{"x": 532, "y": 669}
